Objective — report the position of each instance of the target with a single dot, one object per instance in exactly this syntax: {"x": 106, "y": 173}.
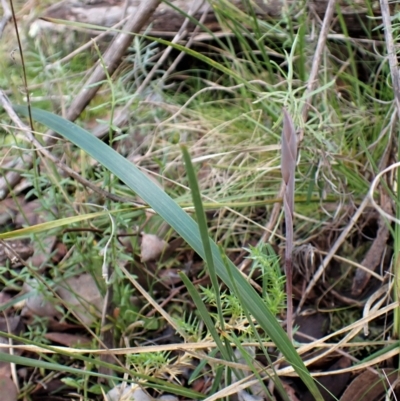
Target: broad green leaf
{"x": 182, "y": 223}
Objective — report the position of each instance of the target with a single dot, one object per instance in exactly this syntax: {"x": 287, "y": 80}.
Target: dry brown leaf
{"x": 55, "y": 325}
{"x": 83, "y": 297}
{"x": 11, "y": 324}
{"x": 8, "y": 391}
{"x": 38, "y": 304}
{"x": 290, "y": 392}
{"x": 4, "y": 297}
{"x": 10, "y": 207}
{"x": 127, "y": 392}
{"x": 170, "y": 277}
{"x": 43, "y": 252}
{"x": 5, "y": 367}
{"x": 369, "y": 386}
{"x": 43, "y": 391}
{"x": 33, "y": 214}
{"x": 168, "y": 397}
{"x": 312, "y": 326}
{"x": 152, "y": 247}
{"x": 332, "y": 386}
{"x": 69, "y": 340}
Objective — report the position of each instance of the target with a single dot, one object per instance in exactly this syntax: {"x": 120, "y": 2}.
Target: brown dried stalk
{"x": 288, "y": 167}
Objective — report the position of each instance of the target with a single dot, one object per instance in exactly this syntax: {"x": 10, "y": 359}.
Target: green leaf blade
{"x": 183, "y": 224}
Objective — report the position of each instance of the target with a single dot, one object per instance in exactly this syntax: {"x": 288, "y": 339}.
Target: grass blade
{"x": 202, "y": 222}
{"x": 182, "y": 223}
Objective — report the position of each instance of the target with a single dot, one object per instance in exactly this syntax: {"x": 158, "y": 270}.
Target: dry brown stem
{"x": 6, "y": 16}
{"x": 111, "y": 58}
{"x": 288, "y": 168}
{"x": 167, "y": 20}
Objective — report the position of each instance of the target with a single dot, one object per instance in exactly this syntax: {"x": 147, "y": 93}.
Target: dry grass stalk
{"x": 288, "y": 167}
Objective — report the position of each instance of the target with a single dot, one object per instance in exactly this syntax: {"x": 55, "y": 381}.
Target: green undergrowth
{"x": 225, "y": 106}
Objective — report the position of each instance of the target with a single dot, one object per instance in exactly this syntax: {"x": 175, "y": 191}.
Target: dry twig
{"x": 6, "y": 16}
{"x": 111, "y": 59}
{"x": 348, "y": 228}
{"x": 14, "y": 176}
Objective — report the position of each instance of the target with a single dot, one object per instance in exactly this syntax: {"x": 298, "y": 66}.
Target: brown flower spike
{"x": 288, "y": 167}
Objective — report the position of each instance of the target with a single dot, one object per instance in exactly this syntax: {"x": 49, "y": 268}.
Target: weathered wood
{"x": 167, "y": 21}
